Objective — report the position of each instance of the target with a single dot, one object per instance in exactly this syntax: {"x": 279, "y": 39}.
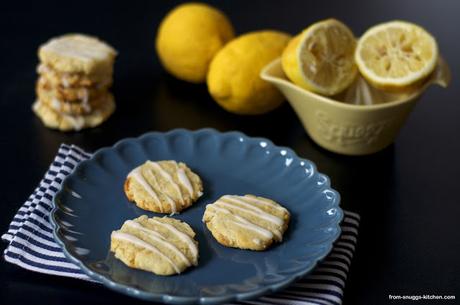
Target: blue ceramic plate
{"x": 92, "y": 204}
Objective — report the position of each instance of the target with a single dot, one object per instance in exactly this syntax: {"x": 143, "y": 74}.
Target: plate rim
{"x": 169, "y": 299}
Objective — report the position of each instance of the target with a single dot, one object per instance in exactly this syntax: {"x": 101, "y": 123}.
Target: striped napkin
{"x": 31, "y": 244}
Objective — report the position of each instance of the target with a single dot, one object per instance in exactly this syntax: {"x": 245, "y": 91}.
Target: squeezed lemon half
{"x": 396, "y": 55}
{"x": 321, "y": 58}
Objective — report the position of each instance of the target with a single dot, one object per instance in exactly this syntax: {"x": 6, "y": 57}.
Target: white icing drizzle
{"x": 85, "y": 100}
{"x": 78, "y": 122}
{"x": 36, "y": 105}
{"x": 168, "y": 177}
{"x": 166, "y": 196}
{"x": 137, "y": 175}
{"x": 183, "y": 179}
{"x": 65, "y": 82}
{"x": 263, "y": 202}
{"x": 170, "y": 201}
{"x": 256, "y": 241}
{"x": 242, "y": 222}
{"x": 160, "y": 239}
{"x": 139, "y": 242}
{"x": 56, "y": 104}
{"x": 184, "y": 237}
{"x": 42, "y": 69}
{"x": 250, "y": 210}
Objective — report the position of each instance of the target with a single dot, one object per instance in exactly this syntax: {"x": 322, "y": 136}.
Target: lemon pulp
{"x": 321, "y": 58}
{"x": 396, "y": 54}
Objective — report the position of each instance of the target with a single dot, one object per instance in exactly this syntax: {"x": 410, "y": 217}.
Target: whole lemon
{"x": 189, "y": 37}
{"x": 233, "y": 77}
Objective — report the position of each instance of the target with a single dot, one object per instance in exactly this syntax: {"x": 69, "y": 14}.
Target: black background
{"x": 407, "y": 195}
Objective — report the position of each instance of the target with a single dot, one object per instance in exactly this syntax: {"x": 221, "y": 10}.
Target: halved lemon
{"x": 321, "y": 58}
{"x": 396, "y": 55}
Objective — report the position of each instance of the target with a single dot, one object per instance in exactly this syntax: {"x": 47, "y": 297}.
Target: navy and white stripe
{"x": 31, "y": 244}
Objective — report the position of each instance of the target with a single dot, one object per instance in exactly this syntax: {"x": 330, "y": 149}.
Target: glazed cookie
{"x": 65, "y": 122}
{"x": 163, "y": 186}
{"x": 162, "y": 245}
{"x": 82, "y": 106}
{"x": 70, "y": 80}
{"x": 246, "y": 222}
{"x": 74, "y": 53}
{"x": 69, "y": 94}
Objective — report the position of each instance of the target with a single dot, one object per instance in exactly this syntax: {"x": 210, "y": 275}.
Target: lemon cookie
{"x": 163, "y": 186}
{"x": 82, "y": 101}
{"x": 70, "y": 93}
{"x": 162, "y": 245}
{"x": 246, "y": 222}
{"x": 77, "y": 53}
{"x": 69, "y": 80}
{"x": 77, "y": 107}
{"x": 65, "y": 122}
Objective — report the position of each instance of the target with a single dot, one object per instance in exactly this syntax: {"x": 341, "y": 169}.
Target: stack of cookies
{"x": 73, "y": 88}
